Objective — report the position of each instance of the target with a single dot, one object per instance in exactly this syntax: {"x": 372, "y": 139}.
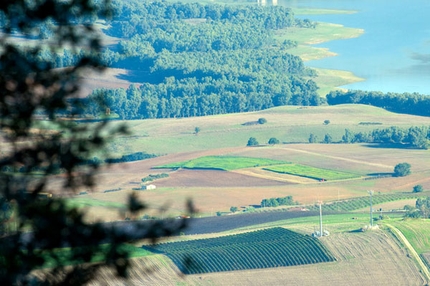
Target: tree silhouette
{"x": 39, "y": 165}
{"x": 402, "y": 170}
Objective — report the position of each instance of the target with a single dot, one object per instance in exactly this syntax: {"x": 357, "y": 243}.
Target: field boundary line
{"x": 337, "y": 157}
{"x": 408, "y": 245}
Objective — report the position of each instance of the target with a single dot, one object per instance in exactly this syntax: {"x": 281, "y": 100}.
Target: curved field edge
{"x": 369, "y": 258}
{"x": 275, "y": 247}
{"x": 411, "y": 251}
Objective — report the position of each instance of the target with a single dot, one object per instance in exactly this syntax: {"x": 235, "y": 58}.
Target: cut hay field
{"x": 362, "y": 259}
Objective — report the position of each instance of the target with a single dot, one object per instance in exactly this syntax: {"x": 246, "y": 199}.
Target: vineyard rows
{"x": 363, "y": 202}
{"x": 268, "y": 248}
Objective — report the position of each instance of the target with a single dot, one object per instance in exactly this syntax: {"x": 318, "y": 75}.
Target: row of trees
{"x": 252, "y": 141}
{"x": 275, "y": 202}
{"x": 414, "y": 137}
{"x": 189, "y": 97}
{"x": 421, "y": 209}
{"x": 408, "y": 103}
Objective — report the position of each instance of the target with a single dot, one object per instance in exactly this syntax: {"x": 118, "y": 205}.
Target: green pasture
{"x": 89, "y": 202}
{"x": 311, "y": 172}
{"x": 226, "y": 163}
{"x": 417, "y": 231}
{"x": 327, "y": 80}
{"x": 323, "y": 32}
{"x": 64, "y": 256}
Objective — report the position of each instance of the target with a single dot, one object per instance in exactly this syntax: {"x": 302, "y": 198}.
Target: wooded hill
{"x": 195, "y": 60}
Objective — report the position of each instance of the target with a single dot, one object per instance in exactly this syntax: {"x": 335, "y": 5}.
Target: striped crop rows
{"x": 273, "y": 247}
{"x": 363, "y": 202}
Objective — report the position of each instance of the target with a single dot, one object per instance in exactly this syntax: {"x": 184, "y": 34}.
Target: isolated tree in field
{"x": 312, "y": 138}
{"x": 233, "y": 209}
{"x": 327, "y": 139}
{"x": 262, "y": 120}
{"x": 402, "y": 170}
{"x": 326, "y": 122}
{"x": 417, "y": 189}
{"x": 252, "y": 142}
{"x": 196, "y": 130}
{"x": 273, "y": 141}
{"x": 32, "y": 88}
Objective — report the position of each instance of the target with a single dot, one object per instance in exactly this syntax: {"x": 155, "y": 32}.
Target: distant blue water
{"x": 393, "y": 54}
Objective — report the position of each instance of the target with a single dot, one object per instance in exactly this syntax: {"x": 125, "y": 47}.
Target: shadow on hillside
{"x": 389, "y": 146}
{"x": 380, "y": 175}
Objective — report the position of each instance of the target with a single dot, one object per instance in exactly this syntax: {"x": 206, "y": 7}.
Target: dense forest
{"x": 195, "y": 60}
{"x": 408, "y": 103}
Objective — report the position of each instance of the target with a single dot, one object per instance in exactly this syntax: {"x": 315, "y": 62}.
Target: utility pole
{"x": 371, "y": 208}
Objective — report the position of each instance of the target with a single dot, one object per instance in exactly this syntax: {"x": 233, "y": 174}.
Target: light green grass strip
{"x": 65, "y": 256}
{"x": 226, "y": 163}
{"x": 311, "y": 172}
{"x": 88, "y": 202}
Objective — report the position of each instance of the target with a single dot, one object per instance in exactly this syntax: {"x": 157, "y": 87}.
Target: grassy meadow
{"x": 289, "y": 124}
{"x": 311, "y": 172}
{"x": 225, "y": 163}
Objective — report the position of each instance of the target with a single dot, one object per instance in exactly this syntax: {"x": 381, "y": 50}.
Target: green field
{"x": 89, "y": 202}
{"x": 363, "y": 203}
{"x": 311, "y": 172}
{"x": 65, "y": 256}
{"x": 417, "y": 231}
{"x": 226, "y": 163}
{"x": 267, "y": 248}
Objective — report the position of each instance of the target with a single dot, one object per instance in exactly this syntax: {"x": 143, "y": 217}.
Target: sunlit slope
{"x": 288, "y": 124}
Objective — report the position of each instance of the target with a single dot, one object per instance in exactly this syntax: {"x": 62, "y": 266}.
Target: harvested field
{"x": 364, "y": 259}
{"x": 372, "y": 258}
{"x": 209, "y": 178}
{"x": 110, "y": 78}
{"x": 260, "y": 173}
{"x": 214, "y": 191}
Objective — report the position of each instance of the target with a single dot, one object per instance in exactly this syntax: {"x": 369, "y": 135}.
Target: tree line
{"x": 275, "y": 202}
{"x": 408, "y": 103}
{"x": 421, "y": 209}
{"x": 414, "y": 137}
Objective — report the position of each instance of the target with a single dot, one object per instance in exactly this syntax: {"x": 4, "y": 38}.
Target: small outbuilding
{"x": 149, "y": 187}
